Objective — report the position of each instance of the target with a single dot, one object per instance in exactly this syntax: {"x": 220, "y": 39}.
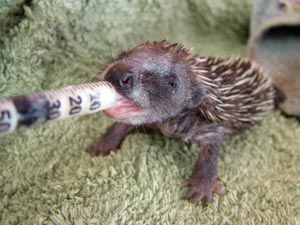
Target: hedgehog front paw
{"x": 102, "y": 147}
{"x": 202, "y": 190}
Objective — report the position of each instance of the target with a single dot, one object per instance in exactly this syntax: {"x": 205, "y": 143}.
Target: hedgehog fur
{"x": 237, "y": 89}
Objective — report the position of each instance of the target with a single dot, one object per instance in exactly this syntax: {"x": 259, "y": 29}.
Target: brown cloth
{"x": 275, "y": 44}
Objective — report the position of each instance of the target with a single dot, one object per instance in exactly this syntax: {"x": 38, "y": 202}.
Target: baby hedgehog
{"x": 187, "y": 97}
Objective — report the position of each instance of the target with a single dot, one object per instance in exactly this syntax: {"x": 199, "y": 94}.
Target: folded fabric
{"x": 275, "y": 43}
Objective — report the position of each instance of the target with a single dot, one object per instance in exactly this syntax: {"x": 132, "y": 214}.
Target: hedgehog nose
{"x": 121, "y": 76}
{"x": 126, "y": 80}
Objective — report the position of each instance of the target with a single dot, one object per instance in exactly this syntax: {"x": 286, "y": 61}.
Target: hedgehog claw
{"x": 102, "y": 147}
{"x": 202, "y": 191}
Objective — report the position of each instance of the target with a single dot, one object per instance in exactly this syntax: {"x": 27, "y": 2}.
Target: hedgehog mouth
{"x": 124, "y": 109}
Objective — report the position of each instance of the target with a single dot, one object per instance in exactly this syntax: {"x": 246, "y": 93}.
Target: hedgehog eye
{"x": 172, "y": 84}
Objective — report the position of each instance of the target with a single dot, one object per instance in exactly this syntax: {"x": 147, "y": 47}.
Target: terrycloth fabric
{"x": 47, "y": 178}
{"x": 275, "y": 44}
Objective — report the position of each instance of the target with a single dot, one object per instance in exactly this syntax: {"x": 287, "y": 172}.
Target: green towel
{"x": 46, "y": 177}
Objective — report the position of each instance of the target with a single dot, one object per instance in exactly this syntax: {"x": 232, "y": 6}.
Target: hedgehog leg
{"x": 111, "y": 140}
{"x": 204, "y": 179}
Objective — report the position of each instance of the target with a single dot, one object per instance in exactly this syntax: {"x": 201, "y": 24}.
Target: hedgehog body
{"x": 237, "y": 91}
{"x": 187, "y": 97}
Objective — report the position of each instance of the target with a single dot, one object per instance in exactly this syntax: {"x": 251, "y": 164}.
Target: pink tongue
{"x": 123, "y": 109}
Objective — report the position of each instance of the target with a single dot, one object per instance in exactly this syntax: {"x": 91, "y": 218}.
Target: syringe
{"x": 38, "y": 108}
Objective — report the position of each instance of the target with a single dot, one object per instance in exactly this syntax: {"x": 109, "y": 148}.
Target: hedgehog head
{"x": 155, "y": 81}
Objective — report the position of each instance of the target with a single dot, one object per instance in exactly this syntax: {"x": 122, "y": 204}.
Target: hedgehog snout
{"x": 126, "y": 80}
{"x": 122, "y": 78}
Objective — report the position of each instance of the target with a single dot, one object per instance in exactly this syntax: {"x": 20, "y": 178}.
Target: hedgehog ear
{"x": 198, "y": 96}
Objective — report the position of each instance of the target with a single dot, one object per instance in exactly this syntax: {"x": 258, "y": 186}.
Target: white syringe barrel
{"x": 38, "y": 108}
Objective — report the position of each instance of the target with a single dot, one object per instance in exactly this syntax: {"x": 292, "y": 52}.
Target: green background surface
{"x": 46, "y": 177}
